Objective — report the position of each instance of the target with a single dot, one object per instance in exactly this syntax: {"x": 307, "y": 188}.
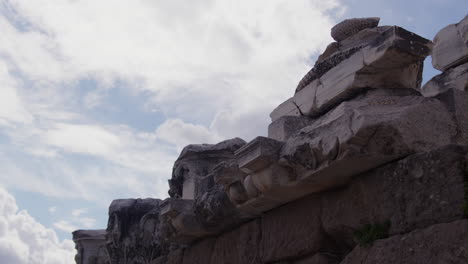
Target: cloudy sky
{"x": 97, "y": 97}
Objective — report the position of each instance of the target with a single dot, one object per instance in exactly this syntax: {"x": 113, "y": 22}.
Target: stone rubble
{"x": 359, "y": 144}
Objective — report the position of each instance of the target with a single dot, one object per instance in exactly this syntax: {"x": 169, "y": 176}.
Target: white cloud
{"x": 25, "y": 241}
{"x": 65, "y": 226}
{"x": 179, "y": 133}
{"x": 80, "y": 211}
{"x": 52, "y": 209}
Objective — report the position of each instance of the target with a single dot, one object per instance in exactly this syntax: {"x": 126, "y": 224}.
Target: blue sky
{"x": 97, "y": 98}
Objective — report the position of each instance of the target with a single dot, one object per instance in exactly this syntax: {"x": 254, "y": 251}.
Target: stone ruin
{"x": 361, "y": 165}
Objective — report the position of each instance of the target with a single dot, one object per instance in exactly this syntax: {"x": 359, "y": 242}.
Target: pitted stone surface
{"x": 349, "y": 27}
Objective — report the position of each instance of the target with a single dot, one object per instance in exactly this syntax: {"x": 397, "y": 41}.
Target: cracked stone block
{"x": 451, "y": 46}
{"x": 454, "y": 78}
{"x": 441, "y": 243}
{"x": 286, "y": 126}
{"x": 421, "y": 190}
{"x": 292, "y": 230}
{"x": 238, "y": 246}
{"x": 91, "y": 246}
{"x": 393, "y": 59}
{"x": 349, "y": 27}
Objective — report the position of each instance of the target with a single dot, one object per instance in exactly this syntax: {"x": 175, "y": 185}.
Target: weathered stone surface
{"x": 258, "y": 154}
{"x": 393, "y": 59}
{"x": 132, "y": 230}
{"x": 200, "y": 252}
{"x": 286, "y": 126}
{"x": 195, "y": 163}
{"x": 451, "y": 46}
{"x": 91, "y": 247}
{"x": 454, "y": 78}
{"x": 349, "y": 27}
{"x": 415, "y": 192}
{"x": 456, "y": 102}
{"x": 204, "y": 208}
{"x": 442, "y": 243}
{"x": 292, "y": 230}
{"x": 239, "y": 246}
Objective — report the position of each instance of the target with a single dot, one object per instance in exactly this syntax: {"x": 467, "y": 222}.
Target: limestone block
{"x": 451, "y": 46}
{"x": 456, "y": 102}
{"x": 361, "y": 134}
{"x": 258, "y": 154}
{"x": 292, "y": 230}
{"x": 441, "y": 243}
{"x": 392, "y": 59}
{"x": 349, "y": 27}
{"x": 239, "y": 246}
{"x": 416, "y": 192}
{"x": 454, "y": 78}
{"x": 200, "y": 252}
{"x": 195, "y": 163}
{"x": 286, "y": 126}
{"x": 91, "y": 246}
{"x": 287, "y": 108}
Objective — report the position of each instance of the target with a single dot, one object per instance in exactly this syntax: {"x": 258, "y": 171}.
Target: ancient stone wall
{"x": 361, "y": 165}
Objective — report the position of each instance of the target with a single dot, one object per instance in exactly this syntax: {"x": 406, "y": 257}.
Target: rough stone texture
{"x": 131, "y": 230}
{"x": 451, "y": 46}
{"x": 393, "y": 59}
{"x": 197, "y": 161}
{"x": 415, "y": 192}
{"x": 200, "y": 252}
{"x": 90, "y": 246}
{"x": 292, "y": 230}
{"x": 206, "y": 210}
{"x": 238, "y": 246}
{"x": 349, "y": 27}
{"x": 286, "y": 126}
{"x": 456, "y": 102}
{"x": 258, "y": 154}
{"x": 454, "y": 78}
{"x": 442, "y": 243}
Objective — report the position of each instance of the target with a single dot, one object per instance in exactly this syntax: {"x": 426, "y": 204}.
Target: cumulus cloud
{"x": 25, "y": 241}
{"x": 211, "y": 70}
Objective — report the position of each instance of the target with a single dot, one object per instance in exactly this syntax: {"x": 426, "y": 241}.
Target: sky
{"x": 98, "y": 97}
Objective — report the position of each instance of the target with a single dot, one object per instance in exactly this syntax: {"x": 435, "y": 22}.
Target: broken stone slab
{"x": 349, "y": 27}
{"x": 91, "y": 246}
{"x": 374, "y": 128}
{"x": 441, "y": 243}
{"x": 195, "y": 163}
{"x": 453, "y": 78}
{"x": 451, "y": 46}
{"x": 421, "y": 190}
{"x": 286, "y": 126}
{"x": 392, "y": 60}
